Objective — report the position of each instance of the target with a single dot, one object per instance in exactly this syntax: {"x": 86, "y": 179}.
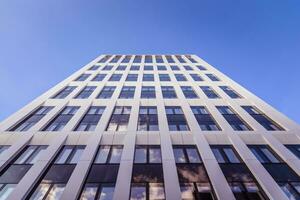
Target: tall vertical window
{"x": 191, "y": 59}
{"x": 209, "y": 92}
{"x": 230, "y": 92}
{"x": 116, "y": 59}
{"x": 126, "y": 59}
{"x": 148, "y": 59}
{"x": 106, "y": 92}
{"x": 135, "y": 68}
{"x": 99, "y": 77}
{"x": 119, "y": 119}
{"x": 86, "y": 92}
{"x": 285, "y": 177}
{"x": 168, "y": 92}
{"x": 59, "y": 122}
{"x": 180, "y": 77}
{"x": 188, "y": 92}
{"x": 234, "y": 120}
{"x": 159, "y": 59}
{"x": 121, "y": 68}
{"x": 137, "y": 59}
{"x": 127, "y": 92}
{"x": 212, "y": 77}
{"x": 180, "y": 59}
{"x": 104, "y": 59}
{"x": 82, "y": 77}
{"x": 295, "y": 149}
{"x": 132, "y": 77}
{"x": 164, "y": 77}
{"x": 205, "y": 119}
{"x": 240, "y": 179}
{"x": 262, "y": 119}
{"x": 148, "y": 92}
{"x": 170, "y": 59}
{"x": 115, "y": 77}
{"x": 56, "y": 177}
{"x": 176, "y": 119}
{"x": 64, "y": 92}
{"x": 90, "y": 119}
{"x": 196, "y": 77}
{"x": 94, "y": 67}
{"x": 31, "y": 119}
{"x": 148, "y": 77}
{"x": 148, "y": 119}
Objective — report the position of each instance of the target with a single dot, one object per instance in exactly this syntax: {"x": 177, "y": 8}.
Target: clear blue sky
{"x": 257, "y": 42}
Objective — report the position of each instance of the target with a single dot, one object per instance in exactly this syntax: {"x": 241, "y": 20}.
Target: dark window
{"x": 104, "y": 59}
{"x": 148, "y": 77}
{"x": 176, "y": 119}
{"x": 180, "y": 77}
{"x": 116, "y": 59}
{"x": 135, "y": 68}
{"x": 234, "y": 120}
{"x": 295, "y": 149}
{"x": 115, "y": 77}
{"x": 107, "y": 68}
{"x": 196, "y": 77}
{"x": 225, "y": 154}
{"x": 127, "y": 92}
{"x": 205, "y": 119}
{"x": 86, "y": 92}
{"x": 186, "y": 154}
{"x": 31, "y": 119}
{"x": 168, "y": 92}
{"x": 126, "y": 59}
{"x": 262, "y": 119}
{"x": 121, "y": 67}
{"x": 148, "y": 119}
{"x": 212, "y": 77}
{"x": 69, "y": 155}
{"x": 170, "y": 59}
{"x": 161, "y": 68}
{"x": 148, "y": 67}
{"x": 137, "y": 59}
{"x": 106, "y": 92}
{"x": 201, "y": 68}
{"x": 180, "y": 59}
{"x": 164, "y": 77}
{"x": 59, "y": 122}
{"x": 82, "y": 77}
{"x": 132, "y": 77}
{"x": 230, "y": 92}
{"x": 90, "y": 119}
{"x": 64, "y": 93}
{"x": 175, "y": 68}
{"x": 94, "y": 67}
{"x": 159, "y": 59}
{"x": 147, "y": 154}
{"x": 188, "y": 68}
{"x": 191, "y": 59}
{"x": 189, "y": 92}
{"x": 119, "y": 119}
{"x": 108, "y": 154}
{"x": 99, "y": 77}
{"x": 148, "y": 92}
{"x": 209, "y": 92}
{"x": 148, "y": 59}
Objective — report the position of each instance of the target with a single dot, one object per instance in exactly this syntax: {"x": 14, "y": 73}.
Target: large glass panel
{"x": 36, "y": 155}
{"x": 138, "y": 193}
{"x": 269, "y": 155}
{"x": 107, "y": 193}
{"x": 179, "y": 155}
{"x": 218, "y": 155}
{"x": 193, "y": 155}
{"x": 156, "y": 191}
{"x": 56, "y": 192}
{"x": 6, "y": 191}
{"x": 154, "y": 155}
{"x": 27, "y": 153}
{"x": 116, "y": 154}
{"x": 63, "y": 156}
{"x": 231, "y": 155}
{"x": 76, "y": 155}
{"x": 40, "y": 192}
{"x": 140, "y": 155}
{"x": 102, "y": 154}
{"x": 187, "y": 191}
{"x": 89, "y": 192}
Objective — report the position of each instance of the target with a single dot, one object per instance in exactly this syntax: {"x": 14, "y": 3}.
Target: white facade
{"x": 276, "y": 140}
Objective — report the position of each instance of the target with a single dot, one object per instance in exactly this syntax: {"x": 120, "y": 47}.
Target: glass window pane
{"x": 231, "y": 155}
{"x": 138, "y": 193}
{"x": 25, "y": 155}
{"x": 269, "y": 155}
{"x": 102, "y": 154}
{"x": 63, "y": 156}
{"x": 218, "y": 155}
{"x": 6, "y": 191}
{"x": 187, "y": 191}
{"x": 115, "y": 156}
{"x": 154, "y": 155}
{"x": 36, "y": 155}
{"x": 56, "y": 192}
{"x": 76, "y": 155}
{"x": 251, "y": 187}
{"x": 156, "y": 191}
{"x": 193, "y": 155}
{"x": 140, "y": 155}
{"x": 40, "y": 192}
{"x": 89, "y": 192}
{"x": 257, "y": 155}
{"x": 288, "y": 190}
{"x": 203, "y": 187}
{"x": 179, "y": 155}
{"x": 107, "y": 193}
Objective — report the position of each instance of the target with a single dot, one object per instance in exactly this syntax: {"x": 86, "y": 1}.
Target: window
{"x": 104, "y": 59}
{"x": 148, "y": 68}
{"x": 135, "y": 68}
{"x": 233, "y": 119}
{"x": 31, "y": 119}
{"x": 201, "y": 68}
{"x": 143, "y": 191}
{"x": 107, "y": 68}
{"x": 159, "y": 59}
{"x": 188, "y": 68}
{"x": 191, "y": 59}
{"x": 147, "y": 154}
{"x": 175, "y": 68}
{"x": 86, "y": 92}
{"x": 169, "y": 59}
{"x": 126, "y": 59}
{"x": 196, "y": 77}
{"x": 59, "y": 122}
{"x": 119, "y": 119}
{"x": 148, "y": 59}
{"x": 148, "y": 92}
{"x": 230, "y": 92}
{"x": 264, "y": 154}
{"x": 94, "y": 68}
{"x": 180, "y": 77}
{"x": 212, "y": 77}
{"x": 209, "y": 92}
{"x": 262, "y": 119}
{"x": 189, "y": 92}
{"x": 225, "y": 154}
{"x": 82, "y": 77}
{"x": 99, "y": 77}
{"x": 164, "y": 77}
{"x": 295, "y": 149}
{"x": 115, "y": 77}
{"x": 186, "y": 154}
{"x": 168, "y": 92}
{"x": 109, "y": 154}
{"x": 137, "y": 59}
{"x": 205, "y": 119}
{"x": 148, "y": 119}
{"x": 90, "y": 119}
{"x": 116, "y": 59}
{"x": 132, "y": 77}
{"x": 69, "y": 155}
{"x": 30, "y": 155}
{"x": 176, "y": 119}
{"x": 121, "y": 68}
{"x": 101, "y": 191}
{"x": 3, "y": 148}
{"x": 64, "y": 93}
{"x": 148, "y": 77}
{"x": 127, "y": 92}
{"x": 180, "y": 59}
{"x": 161, "y": 68}
{"x": 106, "y": 92}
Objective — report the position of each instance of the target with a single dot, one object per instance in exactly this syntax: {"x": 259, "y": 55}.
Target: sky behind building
{"x": 256, "y": 43}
